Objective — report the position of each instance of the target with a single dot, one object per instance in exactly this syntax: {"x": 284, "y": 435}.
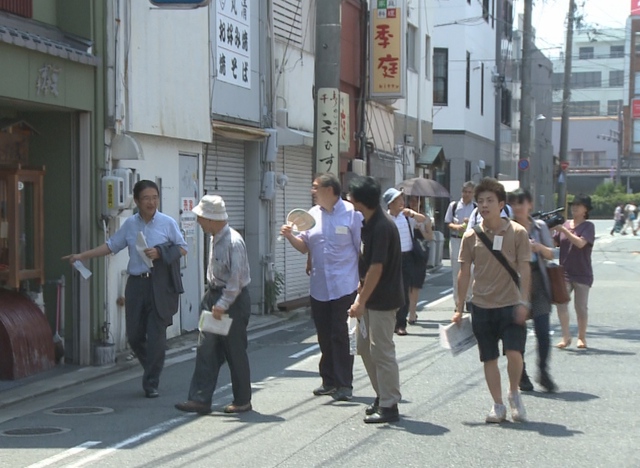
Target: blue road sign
{"x": 523, "y": 164}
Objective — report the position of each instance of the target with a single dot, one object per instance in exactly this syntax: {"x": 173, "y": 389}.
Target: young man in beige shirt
{"x": 500, "y": 306}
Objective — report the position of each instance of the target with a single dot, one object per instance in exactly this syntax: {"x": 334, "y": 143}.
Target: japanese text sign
{"x": 233, "y": 39}
{"x": 345, "y": 127}
{"x": 328, "y": 130}
{"x": 388, "y": 59}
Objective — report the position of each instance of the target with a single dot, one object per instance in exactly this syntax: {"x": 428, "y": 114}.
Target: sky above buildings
{"x": 549, "y": 19}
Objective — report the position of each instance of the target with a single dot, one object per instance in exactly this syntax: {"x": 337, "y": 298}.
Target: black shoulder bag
{"x": 419, "y": 251}
{"x": 496, "y": 253}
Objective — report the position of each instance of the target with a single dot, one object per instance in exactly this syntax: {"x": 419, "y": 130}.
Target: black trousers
{"x": 407, "y": 271}
{"x": 336, "y": 362}
{"x": 214, "y": 350}
{"x": 146, "y": 331}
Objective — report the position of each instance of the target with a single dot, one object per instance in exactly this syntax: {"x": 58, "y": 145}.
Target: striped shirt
{"x": 228, "y": 265}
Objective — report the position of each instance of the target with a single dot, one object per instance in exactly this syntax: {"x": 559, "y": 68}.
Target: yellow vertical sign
{"x": 388, "y": 61}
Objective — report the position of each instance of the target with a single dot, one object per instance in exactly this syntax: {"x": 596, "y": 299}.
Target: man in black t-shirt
{"x": 379, "y": 297}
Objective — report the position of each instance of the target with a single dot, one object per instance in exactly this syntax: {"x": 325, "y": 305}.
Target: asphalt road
{"x": 592, "y": 421}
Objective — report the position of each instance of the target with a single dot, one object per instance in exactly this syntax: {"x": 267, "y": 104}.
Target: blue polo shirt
{"x": 160, "y": 229}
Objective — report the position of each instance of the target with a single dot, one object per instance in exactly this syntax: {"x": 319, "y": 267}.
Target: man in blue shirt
{"x": 334, "y": 245}
{"x": 152, "y": 292}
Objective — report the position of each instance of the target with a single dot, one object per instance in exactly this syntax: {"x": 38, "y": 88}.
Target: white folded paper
{"x": 141, "y": 246}
{"x": 210, "y": 324}
{"x": 83, "y": 270}
{"x": 457, "y": 337}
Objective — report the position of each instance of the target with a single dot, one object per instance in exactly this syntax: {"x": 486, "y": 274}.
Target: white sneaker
{"x": 497, "y": 414}
{"x": 518, "y": 413}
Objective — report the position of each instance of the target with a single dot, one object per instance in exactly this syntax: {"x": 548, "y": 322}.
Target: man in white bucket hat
{"x": 227, "y": 293}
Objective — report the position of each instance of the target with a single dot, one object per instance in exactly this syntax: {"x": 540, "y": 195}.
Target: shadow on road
{"x": 542, "y": 428}
{"x": 601, "y": 352}
{"x": 564, "y": 396}
{"x": 417, "y": 427}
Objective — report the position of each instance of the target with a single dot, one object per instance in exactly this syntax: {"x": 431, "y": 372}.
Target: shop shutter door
{"x": 224, "y": 176}
{"x": 295, "y": 162}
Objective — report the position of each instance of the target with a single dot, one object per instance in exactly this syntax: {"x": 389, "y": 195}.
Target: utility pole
{"x": 566, "y": 98}
{"x": 526, "y": 94}
{"x": 327, "y": 75}
{"x": 498, "y": 81}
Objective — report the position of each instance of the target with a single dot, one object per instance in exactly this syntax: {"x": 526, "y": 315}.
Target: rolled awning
{"x": 237, "y": 132}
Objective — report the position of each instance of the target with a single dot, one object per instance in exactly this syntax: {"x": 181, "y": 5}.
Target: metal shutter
{"x": 295, "y": 162}
{"x": 224, "y": 176}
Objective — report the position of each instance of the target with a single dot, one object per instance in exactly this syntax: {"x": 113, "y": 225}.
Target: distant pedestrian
{"x": 618, "y": 218}
{"x": 457, "y": 219}
{"x": 152, "y": 294}
{"x": 333, "y": 247}
{"x": 379, "y": 297}
{"x": 541, "y": 251}
{"x": 405, "y": 220}
{"x": 575, "y": 239}
{"x": 424, "y": 233}
{"x": 500, "y": 297}
{"x": 630, "y": 217}
{"x": 227, "y": 293}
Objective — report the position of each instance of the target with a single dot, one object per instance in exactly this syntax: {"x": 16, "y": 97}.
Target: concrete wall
{"x": 479, "y": 40}
{"x": 164, "y": 76}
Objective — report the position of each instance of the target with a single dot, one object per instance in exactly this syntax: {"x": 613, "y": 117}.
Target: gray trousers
{"x": 215, "y": 350}
{"x": 146, "y": 331}
{"x": 378, "y": 354}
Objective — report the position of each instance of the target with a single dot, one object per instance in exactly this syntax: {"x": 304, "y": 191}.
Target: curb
{"x": 84, "y": 375}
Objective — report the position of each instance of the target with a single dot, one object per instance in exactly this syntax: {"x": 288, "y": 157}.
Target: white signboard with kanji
{"x": 328, "y": 131}
{"x": 233, "y": 58}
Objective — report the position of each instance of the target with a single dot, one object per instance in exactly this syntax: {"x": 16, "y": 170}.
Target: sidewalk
{"x": 64, "y": 376}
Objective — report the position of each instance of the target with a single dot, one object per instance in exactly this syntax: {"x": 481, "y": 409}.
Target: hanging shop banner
{"x": 328, "y": 130}
{"x": 233, "y": 58}
{"x": 388, "y": 53}
{"x": 345, "y": 127}
{"x": 635, "y": 7}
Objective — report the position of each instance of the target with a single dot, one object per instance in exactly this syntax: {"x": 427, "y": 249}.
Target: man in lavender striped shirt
{"x": 334, "y": 245}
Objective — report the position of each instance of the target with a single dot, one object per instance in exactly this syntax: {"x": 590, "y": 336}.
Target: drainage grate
{"x": 79, "y": 411}
{"x": 33, "y": 431}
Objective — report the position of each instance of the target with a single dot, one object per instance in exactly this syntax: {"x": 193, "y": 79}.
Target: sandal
{"x": 564, "y": 344}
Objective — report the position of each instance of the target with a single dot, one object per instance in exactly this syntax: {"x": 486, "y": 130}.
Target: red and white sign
{"x": 564, "y": 165}
{"x": 635, "y": 109}
{"x": 635, "y": 7}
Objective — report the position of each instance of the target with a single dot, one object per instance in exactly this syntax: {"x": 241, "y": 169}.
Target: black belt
{"x": 143, "y": 275}
{"x": 215, "y": 288}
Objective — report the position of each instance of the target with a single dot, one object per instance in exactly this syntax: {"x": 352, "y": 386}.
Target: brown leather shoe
{"x": 233, "y": 408}
{"x": 190, "y": 406}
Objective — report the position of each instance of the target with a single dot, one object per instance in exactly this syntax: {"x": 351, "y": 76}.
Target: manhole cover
{"x": 33, "y": 431}
{"x": 79, "y": 411}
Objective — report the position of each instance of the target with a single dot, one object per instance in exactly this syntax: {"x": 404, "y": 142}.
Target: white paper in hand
{"x": 83, "y": 270}
{"x": 141, "y": 246}
{"x": 457, "y": 337}
{"x": 210, "y": 324}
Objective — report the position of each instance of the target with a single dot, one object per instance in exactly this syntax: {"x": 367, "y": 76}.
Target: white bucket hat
{"x": 211, "y": 207}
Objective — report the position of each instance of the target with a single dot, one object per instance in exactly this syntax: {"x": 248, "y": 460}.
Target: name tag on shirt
{"x": 497, "y": 243}
{"x": 342, "y": 230}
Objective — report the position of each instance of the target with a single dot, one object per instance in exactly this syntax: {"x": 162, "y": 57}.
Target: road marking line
{"x": 446, "y": 291}
{"x": 308, "y": 350}
{"x": 162, "y": 427}
{"x": 66, "y": 454}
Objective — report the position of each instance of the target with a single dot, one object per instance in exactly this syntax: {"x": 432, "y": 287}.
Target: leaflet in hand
{"x": 208, "y": 323}
{"x": 141, "y": 246}
{"x": 458, "y": 337}
{"x": 83, "y": 270}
